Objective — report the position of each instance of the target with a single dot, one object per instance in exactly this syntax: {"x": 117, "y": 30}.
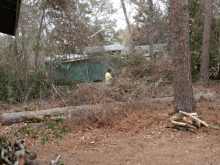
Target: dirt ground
{"x": 141, "y": 136}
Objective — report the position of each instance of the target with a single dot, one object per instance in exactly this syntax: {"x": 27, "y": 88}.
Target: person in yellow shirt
{"x": 108, "y": 77}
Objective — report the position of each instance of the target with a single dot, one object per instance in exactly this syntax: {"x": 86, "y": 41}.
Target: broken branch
{"x": 59, "y": 95}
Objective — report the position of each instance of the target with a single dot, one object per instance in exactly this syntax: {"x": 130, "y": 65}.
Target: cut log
{"x": 195, "y": 121}
{"x": 184, "y": 124}
{"x": 9, "y": 118}
{"x": 174, "y": 118}
{"x": 195, "y": 118}
{"x": 194, "y": 114}
{"x": 187, "y": 120}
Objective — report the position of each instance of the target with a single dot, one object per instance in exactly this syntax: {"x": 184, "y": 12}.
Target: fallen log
{"x": 9, "y": 118}
{"x": 195, "y": 118}
{"x": 176, "y": 117}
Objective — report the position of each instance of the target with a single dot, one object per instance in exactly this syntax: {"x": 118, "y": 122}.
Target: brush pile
{"x": 188, "y": 121}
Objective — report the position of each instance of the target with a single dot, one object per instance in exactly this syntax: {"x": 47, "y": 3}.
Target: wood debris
{"x": 188, "y": 120}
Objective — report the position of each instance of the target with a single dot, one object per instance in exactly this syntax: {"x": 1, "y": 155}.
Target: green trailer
{"x": 76, "y": 68}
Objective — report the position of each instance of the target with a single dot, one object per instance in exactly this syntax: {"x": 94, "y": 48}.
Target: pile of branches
{"x": 188, "y": 121}
{"x": 15, "y": 154}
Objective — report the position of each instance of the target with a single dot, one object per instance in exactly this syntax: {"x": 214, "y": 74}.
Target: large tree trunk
{"x": 183, "y": 93}
{"x": 131, "y": 45}
{"x": 206, "y": 42}
{"x": 151, "y": 33}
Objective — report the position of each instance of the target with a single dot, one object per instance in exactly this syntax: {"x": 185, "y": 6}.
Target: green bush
{"x": 51, "y": 127}
{"x": 15, "y": 88}
{"x": 3, "y": 85}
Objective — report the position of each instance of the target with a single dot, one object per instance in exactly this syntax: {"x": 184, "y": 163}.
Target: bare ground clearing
{"x": 135, "y": 133}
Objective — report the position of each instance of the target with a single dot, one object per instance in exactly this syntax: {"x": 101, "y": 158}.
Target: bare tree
{"x": 151, "y": 32}
{"x": 128, "y": 24}
{"x": 183, "y": 92}
{"x": 206, "y": 42}
{"x": 39, "y": 34}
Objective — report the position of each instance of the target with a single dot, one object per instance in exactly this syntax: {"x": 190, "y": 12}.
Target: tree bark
{"x": 151, "y": 34}
{"x": 183, "y": 92}
{"x": 204, "y": 79}
{"x": 131, "y": 45}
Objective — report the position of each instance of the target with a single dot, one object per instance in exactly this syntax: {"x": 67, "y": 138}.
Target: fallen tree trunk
{"x": 9, "y": 118}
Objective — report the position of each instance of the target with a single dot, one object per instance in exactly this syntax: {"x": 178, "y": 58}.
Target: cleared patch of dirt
{"x": 136, "y": 134}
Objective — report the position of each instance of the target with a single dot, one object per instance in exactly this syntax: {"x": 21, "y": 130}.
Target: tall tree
{"x": 39, "y": 35}
{"x": 183, "y": 92}
{"x": 206, "y": 42}
{"x": 146, "y": 13}
{"x": 131, "y": 45}
{"x": 151, "y": 33}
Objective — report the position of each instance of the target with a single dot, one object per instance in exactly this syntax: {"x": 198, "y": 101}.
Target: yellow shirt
{"x": 108, "y": 78}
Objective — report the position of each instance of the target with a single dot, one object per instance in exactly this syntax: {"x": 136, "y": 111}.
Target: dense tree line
{"x": 46, "y": 28}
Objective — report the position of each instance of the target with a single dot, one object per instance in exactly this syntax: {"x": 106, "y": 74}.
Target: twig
{"x": 59, "y": 95}
{"x": 54, "y": 162}
{"x": 98, "y": 118}
{"x": 28, "y": 94}
{"x": 142, "y": 71}
{"x": 183, "y": 124}
{"x": 114, "y": 101}
{"x": 89, "y": 127}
